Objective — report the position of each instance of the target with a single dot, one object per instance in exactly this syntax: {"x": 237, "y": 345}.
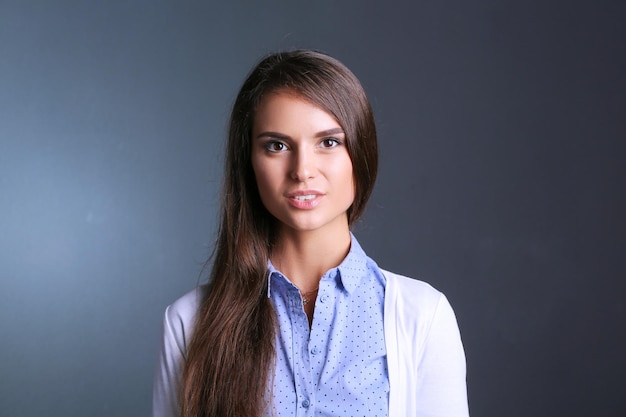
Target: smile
{"x": 304, "y": 197}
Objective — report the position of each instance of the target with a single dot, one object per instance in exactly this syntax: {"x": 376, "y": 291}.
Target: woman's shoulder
{"x": 416, "y": 312}
{"x": 180, "y": 315}
{"x": 414, "y": 302}
{"x": 410, "y": 289}
{"x": 188, "y": 304}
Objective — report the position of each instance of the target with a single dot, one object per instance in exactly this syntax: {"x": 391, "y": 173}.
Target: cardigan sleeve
{"x": 424, "y": 351}
{"x": 168, "y": 373}
{"x": 441, "y": 373}
{"x": 177, "y": 327}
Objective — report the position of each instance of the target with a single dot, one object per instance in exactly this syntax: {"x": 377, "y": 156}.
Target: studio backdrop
{"x": 502, "y": 183}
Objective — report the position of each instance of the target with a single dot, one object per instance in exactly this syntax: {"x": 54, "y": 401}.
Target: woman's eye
{"x": 275, "y": 146}
{"x": 330, "y": 143}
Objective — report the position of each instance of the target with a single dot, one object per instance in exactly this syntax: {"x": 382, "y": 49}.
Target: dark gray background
{"x": 502, "y": 182}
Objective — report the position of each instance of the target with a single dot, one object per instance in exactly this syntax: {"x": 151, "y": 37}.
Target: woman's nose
{"x": 303, "y": 165}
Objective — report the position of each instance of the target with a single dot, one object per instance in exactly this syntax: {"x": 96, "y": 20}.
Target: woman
{"x": 296, "y": 319}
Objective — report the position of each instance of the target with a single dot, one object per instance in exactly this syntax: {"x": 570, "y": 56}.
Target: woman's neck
{"x": 305, "y": 256}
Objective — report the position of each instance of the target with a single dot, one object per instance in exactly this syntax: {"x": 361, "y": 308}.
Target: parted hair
{"x": 230, "y": 357}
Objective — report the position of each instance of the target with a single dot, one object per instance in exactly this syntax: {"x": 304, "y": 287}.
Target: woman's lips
{"x": 305, "y": 200}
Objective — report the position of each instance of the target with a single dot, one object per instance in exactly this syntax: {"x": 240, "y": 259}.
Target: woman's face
{"x": 301, "y": 163}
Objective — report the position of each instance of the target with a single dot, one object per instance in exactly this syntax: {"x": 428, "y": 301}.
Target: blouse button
{"x": 306, "y": 403}
{"x": 324, "y": 298}
{"x": 315, "y": 351}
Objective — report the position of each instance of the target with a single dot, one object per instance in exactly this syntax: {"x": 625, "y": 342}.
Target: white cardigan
{"x": 425, "y": 356}
{"x": 424, "y": 352}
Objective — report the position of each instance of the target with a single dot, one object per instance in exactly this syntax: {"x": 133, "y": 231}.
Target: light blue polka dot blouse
{"x": 338, "y": 367}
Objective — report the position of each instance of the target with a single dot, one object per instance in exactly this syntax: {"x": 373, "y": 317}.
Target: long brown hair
{"x": 231, "y": 353}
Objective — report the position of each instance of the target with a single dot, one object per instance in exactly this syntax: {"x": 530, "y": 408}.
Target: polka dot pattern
{"x": 338, "y": 367}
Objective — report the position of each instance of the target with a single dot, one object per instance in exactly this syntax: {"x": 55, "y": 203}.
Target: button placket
{"x": 320, "y": 332}
{"x": 305, "y": 387}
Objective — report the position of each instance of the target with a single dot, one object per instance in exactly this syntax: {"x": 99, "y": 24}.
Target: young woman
{"x": 296, "y": 319}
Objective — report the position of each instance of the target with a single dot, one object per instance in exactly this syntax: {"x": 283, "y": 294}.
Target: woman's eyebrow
{"x": 275, "y": 135}
{"x": 330, "y": 132}
{"x": 323, "y": 133}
